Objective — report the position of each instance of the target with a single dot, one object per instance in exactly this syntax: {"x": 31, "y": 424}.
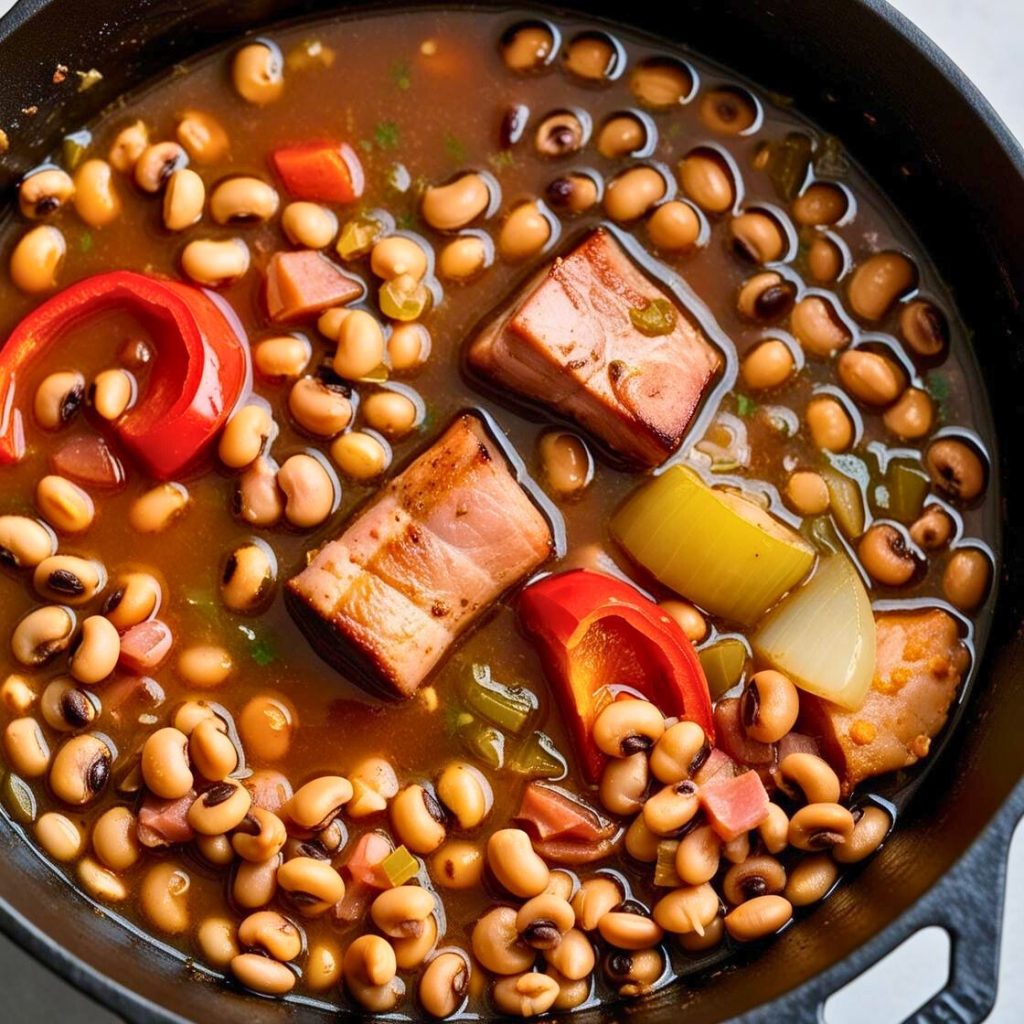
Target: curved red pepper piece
{"x": 596, "y": 631}
{"x": 200, "y": 370}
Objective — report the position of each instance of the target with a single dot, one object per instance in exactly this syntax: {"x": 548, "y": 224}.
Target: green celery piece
{"x": 73, "y": 148}
{"x": 482, "y": 741}
{"x": 665, "y": 874}
{"x": 907, "y": 485}
{"x": 509, "y": 707}
{"x": 399, "y": 866}
{"x": 539, "y": 758}
{"x": 723, "y": 663}
{"x": 19, "y": 799}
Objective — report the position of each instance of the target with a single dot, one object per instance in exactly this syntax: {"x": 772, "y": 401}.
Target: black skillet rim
{"x": 982, "y": 861}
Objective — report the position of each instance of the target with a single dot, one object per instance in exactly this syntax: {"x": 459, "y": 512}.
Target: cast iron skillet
{"x": 921, "y": 129}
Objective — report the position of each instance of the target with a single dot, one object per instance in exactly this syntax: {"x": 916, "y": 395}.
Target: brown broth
{"x": 434, "y": 115}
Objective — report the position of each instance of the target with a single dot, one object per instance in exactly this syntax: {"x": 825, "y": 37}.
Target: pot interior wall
{"x": 959, "y": 183}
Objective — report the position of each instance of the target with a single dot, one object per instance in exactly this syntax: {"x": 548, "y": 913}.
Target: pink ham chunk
{"x": 165, "y": 822}
{"x": 571, "y": 342}
{"x": 735, "y": 804}
{"x": 441, "y": 542}
{"x": 305, "y": 283}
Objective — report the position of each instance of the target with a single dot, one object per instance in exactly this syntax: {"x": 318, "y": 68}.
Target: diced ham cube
{"x": 734, "y": 805}
{"x": 165, "y": 822}
{"x": 919, "y": 663}
{"x": 144, "y": 647}
{"x": 418, "y": 566}
{"x": 570, "y": 341}
{"x": 305, "y": 283}
{"x": 88, "y": 460}
{"x": 718, "y": 763}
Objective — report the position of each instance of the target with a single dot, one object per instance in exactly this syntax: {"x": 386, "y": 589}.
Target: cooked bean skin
{"x": 885, "y": 556}
{"x": 456, "y": 205}
{"x": 24, "y": 542}
{"x": 758, "y": 918}
{"x": 956, "y": 469}
{"x": 965, "y": 581}
{"x": 257, "y": 73}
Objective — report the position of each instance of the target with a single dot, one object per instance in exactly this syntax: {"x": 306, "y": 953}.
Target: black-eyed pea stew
{"x": 173, "y": 741}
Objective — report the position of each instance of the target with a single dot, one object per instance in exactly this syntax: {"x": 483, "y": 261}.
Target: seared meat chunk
{"x": 582, "y": 340}
{"x": 440, "y": 543}
{"x": 919, "y": 663}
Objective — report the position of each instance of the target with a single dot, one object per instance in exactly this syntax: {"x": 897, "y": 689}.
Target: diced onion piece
{"x": 823, "y": 635}
{"x": 718, "y": 549}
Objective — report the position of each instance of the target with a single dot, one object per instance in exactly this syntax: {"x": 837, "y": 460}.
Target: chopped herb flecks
{"x": 401, "y": 75}
{"x": 745, "y": 406}
{"x": 454, "y": 148}
{"x": 386, "y": 135}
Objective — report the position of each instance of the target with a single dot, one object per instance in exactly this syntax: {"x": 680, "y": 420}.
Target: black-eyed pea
{"x": 496, "y": 943}
{"x": 156, "y": 509}
{"x": 323, "y": 968}
{"x": 769, "y": 706}
{"x": 272, "y": 933}
{"x": 260, "y": 500}
{"x": 661, "y": 82}
{"x": 829, "y": 423}
{"x": 674, "y": 226}
{"x": 544, "y": 920}
{"x": 728, "y": 110}
{"x": 64, "y": 505}
{"x": 624, "y": 783}
{"x": 205, "y": 666}
{"x": 810, "y": 879}
{"x": 412, "y": 950}
{"x": 115, "y": 839}
{"x": 37, "y": 259}
{"x": 956, "y": 469}
{"x": 561, "y": 133}
{"x": 96, "y": 200}
{"x": 370, "y": 959}
{"x": 884, "y": 553}
{"x": 247, "y": 581}
{"x": 202, "y": 136}
{"x": 282, "y": 357}
{"x": 820, "y": 827}
{"x": 698, "y": 855}
{"x": 912, "y": 416}
{"x": 215, "y": 262}
{"x": 316, "y": 803}
{"x": 699, "y": 942}
{"x": 826, "y": 261}
{"x": 515, "y": 864}
{"x": 401, "y": 912}
{"x": 96, "y": 651}
{"x": 737, "y": 850}
{"x": 260, "y": 836}
{"x": 309, "y": 224}
{"x": 254, "y": 885}
{"x": 266, "y": 726}
{"x": 573, "y": 193}
{"x": 220, "y": 808}
{"x": 261, "y": 974}
{"x": 457, "y": 204}
{"x": 573, "y": 956}
{"x": 418, "y": 819}
{"x": 156, "y": 164}
{"x": 215, "y": 850}
{"x": 81, "y": 770}
{"x": 774, "y": 830}
{"x": 635, "y": 972}
{"x": 758, "y": 918}
{"x": 26, "y": 748}
{"x": 640, "y": 842}
{"x": 42, "y": 633}
{"x": 821, "y": 204}
{"x": 595, "y": 897}
{"x": 330, "y": 320}
{"x": 818, "y": 327}
{"x": 65, "y": 707}
{"x": 379, "y": 775}
{"x": 525, "y": 232}
{"x": 631, "y": 194}
{"x": 526, "y": 47}
{"x": 871, "y": 377}
{"x": 690, "y": 908}
{"x": 758, "y": 237}
{"x": 129, "y": 144}
{"x": 321, "y": 409}
{"x": 671, "y": 808}
{"x": 376, "y": 998}
{"x": 17, "y": 694}
{"x": 966, "y": 578}
{"x": 408, "y": 347}
{"x": 630, "y": 928}
{"x": 568, "y": 466}
{"x": 525, "y": 995}
{"x": 257, "y": 72}
{"x": 392, "y": 413}
{"x": 165, "y": 763}
{"x": 101, "y": 883}
{"x": 212, "y": 753}
{"x": 464, "y": 257}
{"x": 563, "y": 884}
{"x": 309, "y": 490}
{"x": 243, "y": 199}
{"x": 184, "y": 198}
{"x": 592, "y": 56}
{"x": 457, "y": 864}
{"x": 879, "y": 282}
{"x": 217, "y": 941}
{"x": 360, "y": 455}
{"x": 444, "y": 984}
{"x": 768, "y": 365}
{"x": 465, "y": 791}
{"x": 872, "y": 826}
{"x": 135, "y": 598}
{"x": 766, "y": 297}
{"x": 707, "y": 179}
{"x": 808, "y": 778}
{"x": 163, "y": 897}
{"x": 933, "y": 529}
{"x": 58, "y": 398}
{"x": 365, "y": 801}
{"x": 924, "y": 328}
{"x": 621, "y": 135}
{"x": 25, "y": 542}
{"x": 807, "y": 493}
{"x": 396, "y": 255}
{"x": 756, "y": 876}
{"x": 628, "y": 726}
{"x": 59, "y": 836}
{"x": 245, "y": 435}
{"x": 112, "y": 393}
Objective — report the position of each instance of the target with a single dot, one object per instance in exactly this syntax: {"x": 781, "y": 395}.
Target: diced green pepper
{"x": 74, "y": 147}
{"x": 539, "y": 758}
{"x": 404, "y": 298}
{"x": 907, "y": 485}
{"x": 509, "y": 707}
{"x": 656, "y": 318}
{"x": 19, "y": 799}
{"x": 400, "y": 866}
{"x": 482, "y": 741}
{"x": 665, "y": 874}
{"x": 358, "y": 236}
{"x": 787, "y": 164}
{"x": 723, "y": 663}
{"x": 845, "y": 481}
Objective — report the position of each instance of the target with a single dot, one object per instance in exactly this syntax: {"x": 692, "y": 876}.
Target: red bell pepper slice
{"x": 200, "y": 370}
{"x": 324, "y": 172}
{"x": 596, "y": 631}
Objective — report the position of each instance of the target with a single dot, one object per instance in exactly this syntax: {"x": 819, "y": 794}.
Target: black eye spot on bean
{"x": 229, "y": 569}
{"x": 71, "y": 402}
{"x": 434, "y": 809}
{"x": 636, "y": 745}
{"x": 63, "y": 581}
{"x": 112, "y": 602}
{"x": 76, "y": 709}
{"x": 513, "y": 124}
{"x": 218, "y": 794}
{"x": 775, "y": 301}
{"x": 98, "y": 773}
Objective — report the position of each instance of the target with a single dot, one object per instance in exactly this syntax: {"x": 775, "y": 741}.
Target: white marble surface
{"x": 985, "y": 37}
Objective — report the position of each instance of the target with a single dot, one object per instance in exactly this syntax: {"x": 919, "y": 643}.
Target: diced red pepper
{"x": 555, "y": 814}
{"x": 164, "y": 822}
{"x": 734, "y": 805}
{"x": 88, "y": 460}
{"x": 144, "y": 647}
{"x": 304, "y": 283}
{"x": 324, "y": 172}
{"x": 364, "y": 876}
{"x": 595, "y": 631}
{"x": 200, "y": 370}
